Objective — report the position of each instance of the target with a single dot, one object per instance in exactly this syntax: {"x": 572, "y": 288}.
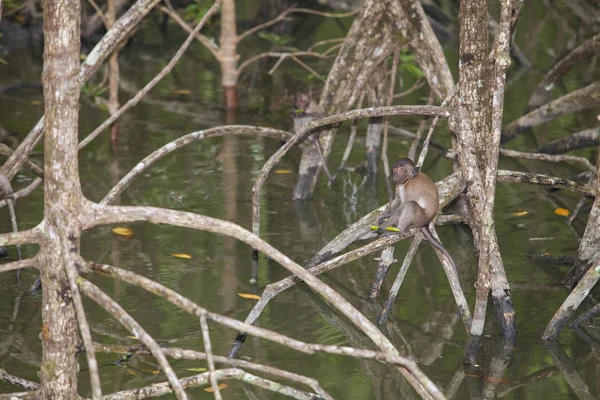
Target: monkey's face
{"x": 404, "y": 169}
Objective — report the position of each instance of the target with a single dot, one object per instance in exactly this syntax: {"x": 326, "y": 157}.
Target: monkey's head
{"x": 404, "y": 169}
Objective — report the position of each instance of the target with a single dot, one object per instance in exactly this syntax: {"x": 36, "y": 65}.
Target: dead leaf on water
{"x": 181, "y": 255}
{"x": 221, "y": 386}
{"x": 123, "y": 231}
{"x": 249, "y": 296}
{"x": 520, "y": 213}
{"x": 132, "y": 372}
{"x": 181, "y": 91}
{"x": 283, "y": 171}
{"x": 199, "y": 369}
{"x": 562, "y": 211}
{"x": 36, "y": 102}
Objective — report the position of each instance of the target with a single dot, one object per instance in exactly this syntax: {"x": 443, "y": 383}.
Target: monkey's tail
{"x": 438, "y": 245}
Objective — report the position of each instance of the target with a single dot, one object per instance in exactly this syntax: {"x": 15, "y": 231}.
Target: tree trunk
{"x": 228, "y": 53}
{"x": 62, "y": 195}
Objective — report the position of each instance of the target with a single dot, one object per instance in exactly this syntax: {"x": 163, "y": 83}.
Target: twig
{"x": 84, "y": 330}
{"x": 113, "y": 308}
{"x": 99, "y": 12}
{"x": 187, "y": 139}
{"x": 136, "y": 99}
{"x": 324, "y": 42}
{"x": 20, "y": 264}
{"x": 182, "y": 354}
{"x": 419, "y": 83}
{"x": 279, "y": 55}
{"x": 209, "y": 357}
{"x": 206, "y": 42}
{"x": 539, "y": 179}
{"x": 15, "y": 380}
{"x": 389, "y": 303}
{"x": 159, "y": 389}
{"x": 548, "y": 157}
{"x": 386, "y": 124}
{"x": 25, "y": 191}
{"x": 432, "y": 127}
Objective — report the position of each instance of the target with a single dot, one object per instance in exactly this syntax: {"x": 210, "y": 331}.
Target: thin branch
{"x": 259, "y": 27}
{"x": 209, "y": 357}
{"x": 170, "y": 65}
{"x": 183, "y": 354}
{"x": 206, "y": 42}
{"x": 84, "y": 330}
{"x": 547, "y": 157}
{"x": 30, "y": 236}
{"x": 419, "y": 83}
{"x": 545, "y": 180}
{"x": 25, "y": 191}
{"x": 187, "y": 139}
{"x": 19, "y": 264}
{"x": 159, "y": 389}
{"x": 279, "y": 55}
{"x": 113, "y": 308}
{"x": 324, "y": 42}
{"x": 15, "y": 380}
{"x": 99, "y": 12}
{"x": 326, "y": 14}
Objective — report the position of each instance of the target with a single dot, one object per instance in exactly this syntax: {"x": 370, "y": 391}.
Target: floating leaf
{"x": 181, "y": 255}
{"x": 123, "y": 231}
{"x": 221, "y": 386}
{"x": 36, "y": 102}
{"x": 283, "y": 171}
{"x": 181, "y": 91}
{"x": 562, "y": 211}
{"x": 520, "y": 213}
{"x": 249, "y": 296}
{"x": 199, "y": 369}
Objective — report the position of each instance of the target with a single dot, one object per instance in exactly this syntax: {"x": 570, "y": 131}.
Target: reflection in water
{"x": 214, "y": 178}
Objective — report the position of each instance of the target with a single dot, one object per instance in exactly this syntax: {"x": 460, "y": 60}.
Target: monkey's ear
{"x": 416, "y": 171}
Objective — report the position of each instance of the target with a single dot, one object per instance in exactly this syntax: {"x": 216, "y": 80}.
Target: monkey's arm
{"x": 391, "y": 217}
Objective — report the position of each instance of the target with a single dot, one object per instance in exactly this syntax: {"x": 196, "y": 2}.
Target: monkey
{"x": 415, "y": 204}
{"x": 304, "y": 111}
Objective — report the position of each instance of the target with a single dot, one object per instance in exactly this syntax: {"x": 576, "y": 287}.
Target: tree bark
{"x": 62, "y": 196}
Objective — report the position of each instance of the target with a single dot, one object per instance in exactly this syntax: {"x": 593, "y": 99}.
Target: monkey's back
{"x": 423, "y": 191}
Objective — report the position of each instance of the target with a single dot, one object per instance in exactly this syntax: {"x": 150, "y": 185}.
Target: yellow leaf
{"x": 389, "y": 228}
{"x": 197, "y": 369}
{"x": 221, "y": 386}
{"x": 181, "y": 255}
{"x": 36, "y": 102}
{"x": 283, "y": 171}
{"x": 562, "y": 211}
{"x": 122, "y": 231}
{"x": 520, "y": 213}
{"x": 249, "y": 296}
{"x": 181, "y": 91}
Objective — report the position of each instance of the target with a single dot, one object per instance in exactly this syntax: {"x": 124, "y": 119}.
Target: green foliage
{"x": 408, "y": 64}
{"x": 92, "y": 90}
{"x": 195, "y": 11}
{"x": 274, "y": 38}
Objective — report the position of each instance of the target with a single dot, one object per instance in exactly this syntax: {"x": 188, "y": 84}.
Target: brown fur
{"x": 415, "y": 205}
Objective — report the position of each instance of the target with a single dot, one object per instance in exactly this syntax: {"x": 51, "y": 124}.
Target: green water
{"x": 214, "y": 177}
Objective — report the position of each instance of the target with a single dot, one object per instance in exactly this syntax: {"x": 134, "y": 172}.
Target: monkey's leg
{"x": 393, "y": 217}
{"x": 412, "y": 216}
